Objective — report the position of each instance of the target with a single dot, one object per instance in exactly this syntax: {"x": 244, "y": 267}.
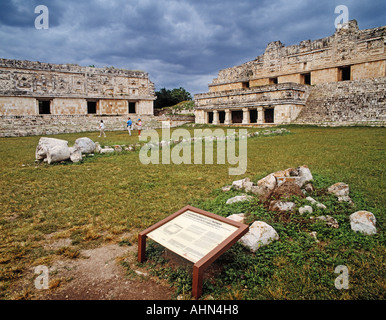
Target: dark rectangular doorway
{"x": 44, "y": 107}
{"x": 91, "y": 107}
{"x": 253, "y": 116}
{"x": 345, "y": 73}
{"x": 237, "y": 116}
{"x": 269, "y": 115}
{"x": 210, "y": 117}
{"x": 221, "y": 116}
{"x": 306, "y": 78}
{"x": 132, "y": 107}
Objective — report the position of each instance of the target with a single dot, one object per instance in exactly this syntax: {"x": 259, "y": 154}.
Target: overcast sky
{"x": 179, "y": 43}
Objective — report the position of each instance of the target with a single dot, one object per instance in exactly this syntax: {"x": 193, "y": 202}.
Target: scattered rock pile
{"x": 53, "y": 150}
{"x": 274, "y": 192}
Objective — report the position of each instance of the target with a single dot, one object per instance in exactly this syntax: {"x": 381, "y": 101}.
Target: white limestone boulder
{"x": 305, "y": 209}
{"x": 329, "y": 221}
{"x": 239, "y": 199}
{"x": 85, "y": 145}
{"x": 318, "y": 204}
{"x": 238, "y": 184}
{"x": 107, "y": 150}
{"x": 238, "y": 217}
{"x": 364, "y": 222}
{"x": 282, "y": 206}
{"x": 341, "y": 190}
{"x": 58, "y": 153}
{"x": 98, "y": 147}
{"x": 226, "y": 188}
{"x": 265, "y": 186}
{"x": 75, "y": 154}
{"x": 295, "y": 180}
{"x": 46, "y": 144}
{"x": 259, "y": 234}
{"x": 304, "y": 174}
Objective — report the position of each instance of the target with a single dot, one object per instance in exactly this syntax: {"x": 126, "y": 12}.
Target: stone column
{"x": 260, "y": 115}
{"x": 228, "y": 117}
{"x": 216, "y": 119}
{"x": 246, "y": 116}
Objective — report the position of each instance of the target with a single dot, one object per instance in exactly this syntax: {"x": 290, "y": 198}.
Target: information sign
{"x": 197, "y": 235}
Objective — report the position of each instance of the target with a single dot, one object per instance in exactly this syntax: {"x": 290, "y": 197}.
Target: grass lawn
{"x": 98, "y": 200}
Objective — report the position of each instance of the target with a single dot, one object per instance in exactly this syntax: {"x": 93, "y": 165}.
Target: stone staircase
{"x": 360, "y": 102}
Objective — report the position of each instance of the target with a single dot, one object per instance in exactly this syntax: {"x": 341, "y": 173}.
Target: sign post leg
{"x": 198, "y": 275}
{"x": 141, "y": 247}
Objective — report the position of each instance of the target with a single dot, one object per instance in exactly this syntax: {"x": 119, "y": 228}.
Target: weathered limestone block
{"x": 75, "y": 154}
{"x": 243, "y": 184}
{"x": 239, "y": 198}
{"x": 107, "y": 150}
{"x": 305, "y": 209}
{"x": 282, "y": 206}
{"x": 98, "y": 147}
{"x": 259, "y": 234}
{"x": 341, "y": 190}
{"x": 46, "y": 144}
{"x": 265, "y": 186}
{"x": 304, "y": 174}
{"x": 58, "y": 153}
{"x": 226, "y": 188}
{"x": 295, "y": 180}
{"x": 364, "y": 222}
{"x": 330, "y": 221}
{"x": 238, "y": 217}
{"x": 85, "y": 145}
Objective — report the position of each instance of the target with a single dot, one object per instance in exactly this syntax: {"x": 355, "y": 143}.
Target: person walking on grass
{"x": 129, "y": 125}
{"x": 102, "y": 129}
{"x": 139, "y": 125}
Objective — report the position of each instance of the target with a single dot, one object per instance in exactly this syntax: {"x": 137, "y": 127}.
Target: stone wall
{"x": 69, "y": 87}
{"x": 360, "y": 102}
{"x": 362, "y": 50}
{"x": 16, "y": 126}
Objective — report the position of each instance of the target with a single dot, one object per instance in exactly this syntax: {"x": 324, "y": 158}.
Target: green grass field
{"x": 98, "y": 200}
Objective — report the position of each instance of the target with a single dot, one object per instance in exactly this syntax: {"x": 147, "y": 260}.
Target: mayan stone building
{"x": 337, "y": 80}
{"x": 70, "y": 95}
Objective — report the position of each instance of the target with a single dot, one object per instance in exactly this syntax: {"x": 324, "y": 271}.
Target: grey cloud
{"x": 179, "y": 43}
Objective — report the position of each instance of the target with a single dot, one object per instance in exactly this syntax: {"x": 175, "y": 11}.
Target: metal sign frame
{"x": 200, "y": 266}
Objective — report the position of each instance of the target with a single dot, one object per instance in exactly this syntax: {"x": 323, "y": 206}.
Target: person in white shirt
{"x": 102, "y": 129}
{"x": 139, "y": 125}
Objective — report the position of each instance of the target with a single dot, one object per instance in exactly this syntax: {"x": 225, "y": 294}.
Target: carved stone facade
{"x": 277, "y": 85}
{"x": 33, "y": 88}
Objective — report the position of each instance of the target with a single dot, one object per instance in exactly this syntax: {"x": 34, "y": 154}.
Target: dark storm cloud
{"x": 179, "y": 43}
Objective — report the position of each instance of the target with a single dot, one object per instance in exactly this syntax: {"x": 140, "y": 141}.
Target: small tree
{"x": 168, "y": 98}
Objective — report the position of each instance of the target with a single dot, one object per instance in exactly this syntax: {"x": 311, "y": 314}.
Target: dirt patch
{"x": 286, "y": 191}
{"x": 97, "y": 275}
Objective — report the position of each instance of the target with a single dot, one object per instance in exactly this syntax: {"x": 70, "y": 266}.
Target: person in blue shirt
{"x": 129, "y": 125}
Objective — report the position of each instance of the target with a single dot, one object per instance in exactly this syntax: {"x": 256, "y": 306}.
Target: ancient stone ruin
{"x": 43, "y": 99}
{"x": 338, "y": 80}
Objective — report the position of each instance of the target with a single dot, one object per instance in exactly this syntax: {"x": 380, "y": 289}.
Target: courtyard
{"x": 54, "y": 213}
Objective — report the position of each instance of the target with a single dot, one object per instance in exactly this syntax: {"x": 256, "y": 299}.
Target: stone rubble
{"x": 341, "y": 190}
{"x": 318, "y": 204}
{"x": 86, "y": 146}
{"x": 266, "y": 190}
